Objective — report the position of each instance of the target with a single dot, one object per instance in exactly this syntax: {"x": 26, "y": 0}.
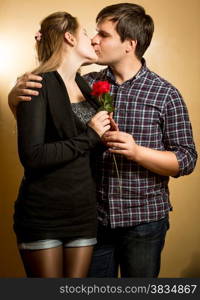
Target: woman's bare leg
{"x": 77, "y": 261}
{"x": 43, "y": 263}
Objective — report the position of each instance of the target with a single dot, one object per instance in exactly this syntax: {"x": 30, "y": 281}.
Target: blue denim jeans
{"x": 136, "y": 249}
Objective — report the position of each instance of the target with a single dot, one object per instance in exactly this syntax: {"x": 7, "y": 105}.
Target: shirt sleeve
{"x": 178, "y": 136}
{"x": 34, "y": 152}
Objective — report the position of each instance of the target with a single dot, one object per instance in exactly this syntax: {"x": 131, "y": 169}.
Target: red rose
{"x": 100, "y": 87}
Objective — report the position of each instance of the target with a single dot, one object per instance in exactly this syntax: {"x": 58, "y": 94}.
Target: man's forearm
{"x": 160, "y": 162}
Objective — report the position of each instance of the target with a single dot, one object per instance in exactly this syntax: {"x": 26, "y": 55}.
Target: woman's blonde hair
{"x": 49, "y": 45}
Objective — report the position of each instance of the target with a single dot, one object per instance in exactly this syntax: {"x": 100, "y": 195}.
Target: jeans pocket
{"x": 152, "y": 229}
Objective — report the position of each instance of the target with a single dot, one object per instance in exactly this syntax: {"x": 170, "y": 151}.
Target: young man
{"x": 154, "y": 142}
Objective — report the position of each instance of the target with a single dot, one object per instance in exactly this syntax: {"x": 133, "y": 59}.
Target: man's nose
{"x": 95, "y": 40}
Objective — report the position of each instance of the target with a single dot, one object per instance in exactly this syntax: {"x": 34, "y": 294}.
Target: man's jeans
{"x": 136, "y": 249}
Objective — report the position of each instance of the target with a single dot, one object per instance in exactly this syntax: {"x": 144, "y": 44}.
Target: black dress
{"x": 57, "y": 196}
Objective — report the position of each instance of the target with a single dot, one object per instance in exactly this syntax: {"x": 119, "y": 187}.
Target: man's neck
{"x": 124, "y": 71}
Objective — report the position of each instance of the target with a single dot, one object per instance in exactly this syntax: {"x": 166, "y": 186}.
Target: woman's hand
{"x": 100, "y": 122}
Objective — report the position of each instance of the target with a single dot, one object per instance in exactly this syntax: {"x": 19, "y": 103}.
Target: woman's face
{"x": 84, "y": 47}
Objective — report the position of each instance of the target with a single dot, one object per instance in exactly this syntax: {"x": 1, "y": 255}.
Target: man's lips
{"x": 97, "y": 51}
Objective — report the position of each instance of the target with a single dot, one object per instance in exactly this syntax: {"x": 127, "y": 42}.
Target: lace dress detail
{"x": 83, "y": 110}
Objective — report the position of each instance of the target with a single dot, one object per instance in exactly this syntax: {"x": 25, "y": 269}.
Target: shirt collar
{"x": 140, "y": 73}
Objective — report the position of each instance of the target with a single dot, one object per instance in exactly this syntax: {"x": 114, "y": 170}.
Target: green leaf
{"x": 108, "y": 108}
{"x": 107, "y": 100}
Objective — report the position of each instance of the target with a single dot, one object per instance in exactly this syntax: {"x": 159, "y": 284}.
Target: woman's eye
{"x": 85, "y": 32}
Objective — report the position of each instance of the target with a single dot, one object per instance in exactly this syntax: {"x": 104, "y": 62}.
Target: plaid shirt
{"x": 154, "y": 113}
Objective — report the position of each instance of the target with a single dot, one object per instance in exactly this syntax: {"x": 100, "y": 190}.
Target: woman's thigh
{"x": 77, "y": 261}
{"x": 43, "y": 263}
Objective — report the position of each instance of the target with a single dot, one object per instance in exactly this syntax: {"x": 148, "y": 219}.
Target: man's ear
{"x": 131, "y": 45}
{"x": 70, "y": 39}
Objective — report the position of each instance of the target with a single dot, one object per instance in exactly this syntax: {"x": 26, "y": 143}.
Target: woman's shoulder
{"x": 48, "y": 80}
{"x": 47, "y": 75}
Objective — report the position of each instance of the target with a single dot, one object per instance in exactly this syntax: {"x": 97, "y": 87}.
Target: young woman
{"x": 55, "y": 212}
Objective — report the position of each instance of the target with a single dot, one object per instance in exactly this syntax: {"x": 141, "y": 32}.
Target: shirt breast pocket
{"x": 143, "y": 120}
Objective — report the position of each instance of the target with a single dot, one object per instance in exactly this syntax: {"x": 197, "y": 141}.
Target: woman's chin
{"x": 90, "y": 61}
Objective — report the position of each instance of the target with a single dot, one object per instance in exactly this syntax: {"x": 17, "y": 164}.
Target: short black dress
{"x": 57, "y": 196}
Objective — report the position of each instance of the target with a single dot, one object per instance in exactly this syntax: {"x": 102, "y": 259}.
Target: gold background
{"x": 173, "y": 54}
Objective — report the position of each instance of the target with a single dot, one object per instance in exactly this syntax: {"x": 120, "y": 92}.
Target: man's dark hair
{"x": 132, "y": 23}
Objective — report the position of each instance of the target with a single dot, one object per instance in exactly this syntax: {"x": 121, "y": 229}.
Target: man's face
{"x": 107, "y": 44}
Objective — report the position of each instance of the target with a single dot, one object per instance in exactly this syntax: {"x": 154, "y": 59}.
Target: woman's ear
{"x": 70, "y": 39}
